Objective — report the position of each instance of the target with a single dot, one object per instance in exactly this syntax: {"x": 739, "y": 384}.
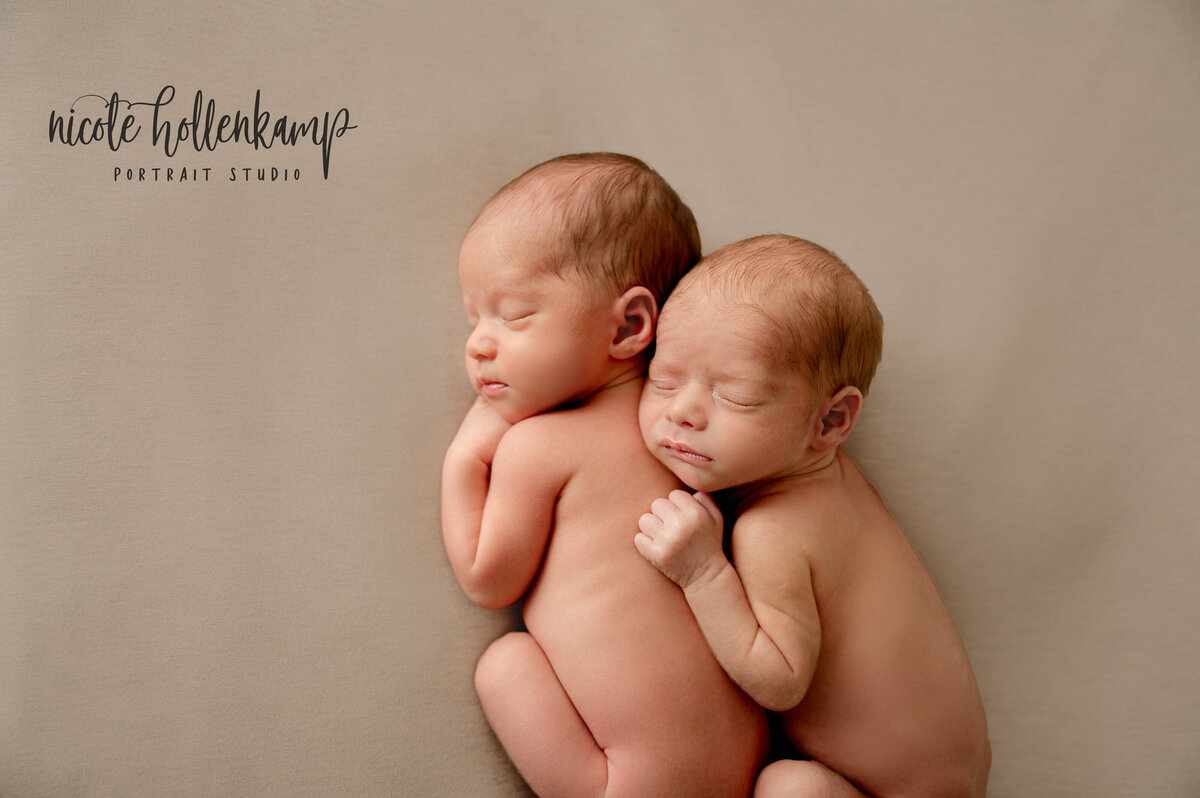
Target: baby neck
{"x": 622, "y": 372}
{"x": 817, "y": 466}
{"x": 622, "y": 379}
{"x": 622, "y": 383}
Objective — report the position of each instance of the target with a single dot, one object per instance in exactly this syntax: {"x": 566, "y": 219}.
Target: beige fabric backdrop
{"x": 224, "y": 404}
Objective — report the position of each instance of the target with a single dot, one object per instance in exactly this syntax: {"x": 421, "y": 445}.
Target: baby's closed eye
{"x": 512, "y": 310}
{"x": 735, "y": 400}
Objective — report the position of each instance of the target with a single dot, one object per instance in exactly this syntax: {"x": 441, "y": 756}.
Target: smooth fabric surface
{"x": 224, "y": 403}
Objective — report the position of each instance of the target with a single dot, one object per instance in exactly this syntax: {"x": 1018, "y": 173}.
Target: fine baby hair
{"x": 611, "y": 219}
{"x": 825, "y": 322}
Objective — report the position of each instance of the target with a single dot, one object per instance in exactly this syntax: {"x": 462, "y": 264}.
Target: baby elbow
{"x": 495, "y": 602}
{"x": 488, "y": 587}
{"x": 780, "y": 700}
{"x": 782, "y": 694}
{"x": 489, "y": 599}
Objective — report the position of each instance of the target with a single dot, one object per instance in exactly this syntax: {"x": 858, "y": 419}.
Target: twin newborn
{"x": 663, "y": 621}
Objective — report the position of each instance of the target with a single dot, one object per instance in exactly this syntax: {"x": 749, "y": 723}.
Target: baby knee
{"x": 790, "y": 778}
{"x": 502, "y": 662}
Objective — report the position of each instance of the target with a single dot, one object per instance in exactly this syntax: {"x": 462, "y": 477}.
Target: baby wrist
{"x": 707, "y": 573}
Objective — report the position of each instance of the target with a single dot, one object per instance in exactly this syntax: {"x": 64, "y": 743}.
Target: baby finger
{"x": 650, "y": 524}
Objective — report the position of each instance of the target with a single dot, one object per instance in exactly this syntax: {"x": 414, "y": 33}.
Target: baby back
{"x": 892, "y": 677}
{"x": 620, "y": 636}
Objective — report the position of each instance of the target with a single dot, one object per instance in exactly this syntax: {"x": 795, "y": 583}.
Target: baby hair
{"x": 614, "y": 221}
{"x": 825, "y": 319}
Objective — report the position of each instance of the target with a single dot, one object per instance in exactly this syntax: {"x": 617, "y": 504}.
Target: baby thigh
{"x": 791, "y": 778}
{"x": 535, "y": 720}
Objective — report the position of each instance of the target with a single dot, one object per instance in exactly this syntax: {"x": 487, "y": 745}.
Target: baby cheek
{"x": 647, "y": 415}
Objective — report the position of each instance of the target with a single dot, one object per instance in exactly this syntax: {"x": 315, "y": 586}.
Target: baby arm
{"x": 497, "y": 507}
{"x": 760, "y": 620}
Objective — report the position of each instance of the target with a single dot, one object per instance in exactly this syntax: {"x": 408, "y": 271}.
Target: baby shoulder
{"x": 537, "y": 439}
{"x": 565, "y": 438}
{"x": 792, "y": 515}
{"x": 772, "y": 531}
{"x": 791, "y": 527}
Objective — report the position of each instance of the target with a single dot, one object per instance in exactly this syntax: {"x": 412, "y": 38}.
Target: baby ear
{"x": 836, "y": 418}
{"x": 635, "y": 313}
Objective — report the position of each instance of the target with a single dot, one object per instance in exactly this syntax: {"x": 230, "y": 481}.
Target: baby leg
{"x": 535, "y": 720}
{"x": 792, "y": 778}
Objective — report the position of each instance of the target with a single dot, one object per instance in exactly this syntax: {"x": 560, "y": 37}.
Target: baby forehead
{"x": 703, "y": 321}
{"x": 720, "y": 305}
{"x": 771, "y": 284}
{"x": 542, "y": 199}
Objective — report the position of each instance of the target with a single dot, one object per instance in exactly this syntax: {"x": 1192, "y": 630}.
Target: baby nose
{"x": 686, "y": 410}
{"x": 480, "y": 346}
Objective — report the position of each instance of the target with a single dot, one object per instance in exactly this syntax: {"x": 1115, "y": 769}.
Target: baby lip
{"x": 686, "y": 452}
{"x": 491, "y": 387}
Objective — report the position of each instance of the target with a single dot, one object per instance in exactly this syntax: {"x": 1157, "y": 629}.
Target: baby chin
{"x": 510, "y": 403}
{"x": 505, "y": 404}
{"x": 691, "y": 467}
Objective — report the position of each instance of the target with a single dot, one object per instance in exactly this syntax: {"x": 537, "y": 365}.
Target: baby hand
{"x": 681, "y": 536}
{"x": 481, "y": 431}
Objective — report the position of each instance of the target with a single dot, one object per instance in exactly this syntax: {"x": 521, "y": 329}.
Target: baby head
{"x": 764, "y": 354}
{"x": 563, "y": 272}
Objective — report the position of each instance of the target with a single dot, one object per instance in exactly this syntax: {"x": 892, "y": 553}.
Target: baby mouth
{"x": 685, "y": 453}
{"x": 491, "y": 388}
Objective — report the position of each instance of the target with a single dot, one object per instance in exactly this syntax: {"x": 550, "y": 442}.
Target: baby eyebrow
{"x": 659, "y": 371}
{"x": 744, "y": 385}
{"x": 514, "y": 294}
{"x": 492, "y": 300}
